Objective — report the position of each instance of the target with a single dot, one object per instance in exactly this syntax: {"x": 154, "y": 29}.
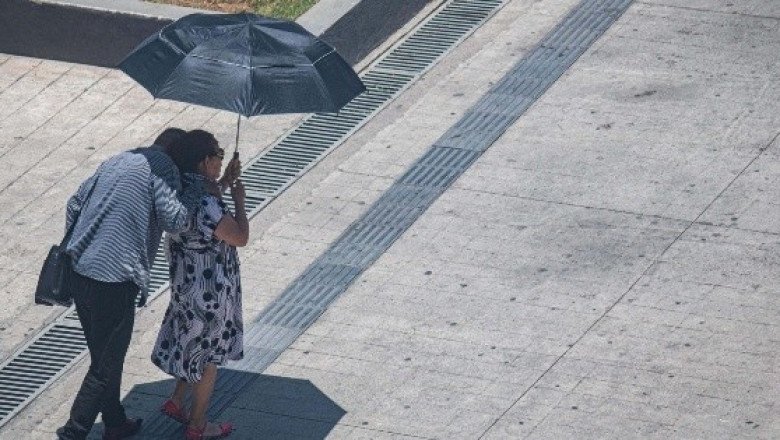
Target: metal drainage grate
{"x": 265, "y": 177}
{"x": 37, "y": 365}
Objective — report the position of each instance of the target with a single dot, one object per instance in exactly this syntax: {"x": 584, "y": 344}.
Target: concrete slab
{"x": 642, "y": 119}
{"x": 751, "y": 202}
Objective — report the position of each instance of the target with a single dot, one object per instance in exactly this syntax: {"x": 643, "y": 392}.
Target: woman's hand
{"x": 232, "y": 172}
{"x": 238, "y": 193}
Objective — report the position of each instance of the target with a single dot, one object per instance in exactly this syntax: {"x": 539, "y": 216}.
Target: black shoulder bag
{"x": 56, "y": 274}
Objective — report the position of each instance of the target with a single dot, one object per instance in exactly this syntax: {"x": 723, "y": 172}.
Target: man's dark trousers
{"x": 107, "y": 313}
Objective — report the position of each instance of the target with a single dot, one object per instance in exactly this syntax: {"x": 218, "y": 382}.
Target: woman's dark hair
{"x": 191, "y": 148}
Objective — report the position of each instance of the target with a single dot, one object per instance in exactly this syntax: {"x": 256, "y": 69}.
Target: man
{"x": 122, "y": 211}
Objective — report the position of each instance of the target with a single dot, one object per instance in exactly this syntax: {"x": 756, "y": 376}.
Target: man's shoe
{"x": 68, "y": 433}
{"x": 129, "y": 429}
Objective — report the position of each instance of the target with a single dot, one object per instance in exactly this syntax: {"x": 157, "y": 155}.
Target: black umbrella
{"x": 244, "y": 63}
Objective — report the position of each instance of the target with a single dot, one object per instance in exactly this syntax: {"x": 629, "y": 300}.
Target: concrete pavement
{"x": 607, "y": 269}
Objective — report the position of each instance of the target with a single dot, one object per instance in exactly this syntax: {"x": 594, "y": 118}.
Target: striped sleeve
{"x": 76, "y": 201}
{"x": 171, "y": 213}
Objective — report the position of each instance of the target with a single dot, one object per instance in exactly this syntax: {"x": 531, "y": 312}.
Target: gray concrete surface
{"x": 607, "y": 269}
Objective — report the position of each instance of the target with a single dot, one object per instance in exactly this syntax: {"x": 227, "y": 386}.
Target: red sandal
{"x": 199, "y": 433}
{"x": 174, "y": 411}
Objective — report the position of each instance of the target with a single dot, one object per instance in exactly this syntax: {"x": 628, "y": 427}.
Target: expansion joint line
{"x": 652, "y": 264}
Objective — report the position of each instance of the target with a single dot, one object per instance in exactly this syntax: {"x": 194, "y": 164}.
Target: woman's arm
{"x": 235, "y": 230}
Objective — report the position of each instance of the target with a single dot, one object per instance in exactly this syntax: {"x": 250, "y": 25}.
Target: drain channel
{"x": 59, "y": 346}
{"x": 306, "y": 298}
{"x": 38, "y": 364}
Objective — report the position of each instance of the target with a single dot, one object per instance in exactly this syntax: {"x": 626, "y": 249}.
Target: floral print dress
{"x": 203, "y": 323}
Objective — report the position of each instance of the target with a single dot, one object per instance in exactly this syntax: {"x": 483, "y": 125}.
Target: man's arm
{"x": 171, "y": 212}
{"x": 76, "y": 201}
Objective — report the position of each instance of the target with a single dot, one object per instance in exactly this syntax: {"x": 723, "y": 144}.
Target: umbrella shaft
{"x": 238, "y": 131}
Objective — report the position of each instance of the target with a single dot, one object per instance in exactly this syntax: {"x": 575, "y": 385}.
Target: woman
{"x": 202, "y": 327}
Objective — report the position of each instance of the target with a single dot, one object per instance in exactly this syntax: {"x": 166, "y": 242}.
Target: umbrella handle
{"x": 238, "y": 131}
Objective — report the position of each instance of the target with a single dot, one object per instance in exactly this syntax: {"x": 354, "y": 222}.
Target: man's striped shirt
{"x": 119, "y": 228}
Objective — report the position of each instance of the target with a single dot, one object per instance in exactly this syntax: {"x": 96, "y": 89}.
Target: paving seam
{"x": 49, "y": 84}
{"x": 45, "y": 88}
{"x": 711, "y": 11}
{"x": 639, "y": 278}
{"x": 395, "y": 435}
{"x": 19, "y": 78}
{"x": 82, "y": 93}
{"x": 615, "y": 211}
{"x": 79, "y": 131}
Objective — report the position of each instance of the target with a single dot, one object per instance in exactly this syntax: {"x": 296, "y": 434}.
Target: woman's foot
{"x": 209, "y": 431}
{"x": 174, "y": 411}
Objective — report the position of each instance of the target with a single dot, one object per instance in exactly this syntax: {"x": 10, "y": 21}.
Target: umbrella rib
{"x": 190, "y": 54}
{"x": 217, "y": 61}
{"x": 169, "y": 43}
{"x": 179, "y": 50}
{"x": 320, "y": 58}
{"x": 251, "y": 82}
{"x": 175, "y": 49}
{"x": 262, "y": 66}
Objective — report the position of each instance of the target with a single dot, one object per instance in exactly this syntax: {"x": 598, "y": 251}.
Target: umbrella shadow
{"x": 260, "y": 407}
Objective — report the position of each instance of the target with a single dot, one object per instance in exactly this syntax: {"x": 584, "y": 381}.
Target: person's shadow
{"x": 260, "y": 407}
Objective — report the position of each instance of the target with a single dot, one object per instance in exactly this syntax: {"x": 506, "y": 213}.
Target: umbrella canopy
{"x": 244, "y": 63}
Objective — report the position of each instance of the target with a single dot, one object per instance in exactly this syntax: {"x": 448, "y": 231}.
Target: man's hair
{"x": 169, "y": 136}
{"x": 191, "y": 148}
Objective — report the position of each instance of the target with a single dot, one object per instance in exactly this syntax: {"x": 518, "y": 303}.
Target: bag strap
{"x": 69, "y": 232}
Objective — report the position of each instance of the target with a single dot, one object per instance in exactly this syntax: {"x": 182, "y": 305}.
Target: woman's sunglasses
{"x": 220, "y": 153}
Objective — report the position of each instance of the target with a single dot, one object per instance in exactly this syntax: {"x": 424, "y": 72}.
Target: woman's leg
{"x": 180, "y": 392}
{"x": 201, "y": 394}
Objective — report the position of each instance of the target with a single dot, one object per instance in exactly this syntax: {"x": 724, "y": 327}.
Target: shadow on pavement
{"x": 260, "y": 407}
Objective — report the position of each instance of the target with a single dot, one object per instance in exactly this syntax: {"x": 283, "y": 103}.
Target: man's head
{"x": 168, "y": 137}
